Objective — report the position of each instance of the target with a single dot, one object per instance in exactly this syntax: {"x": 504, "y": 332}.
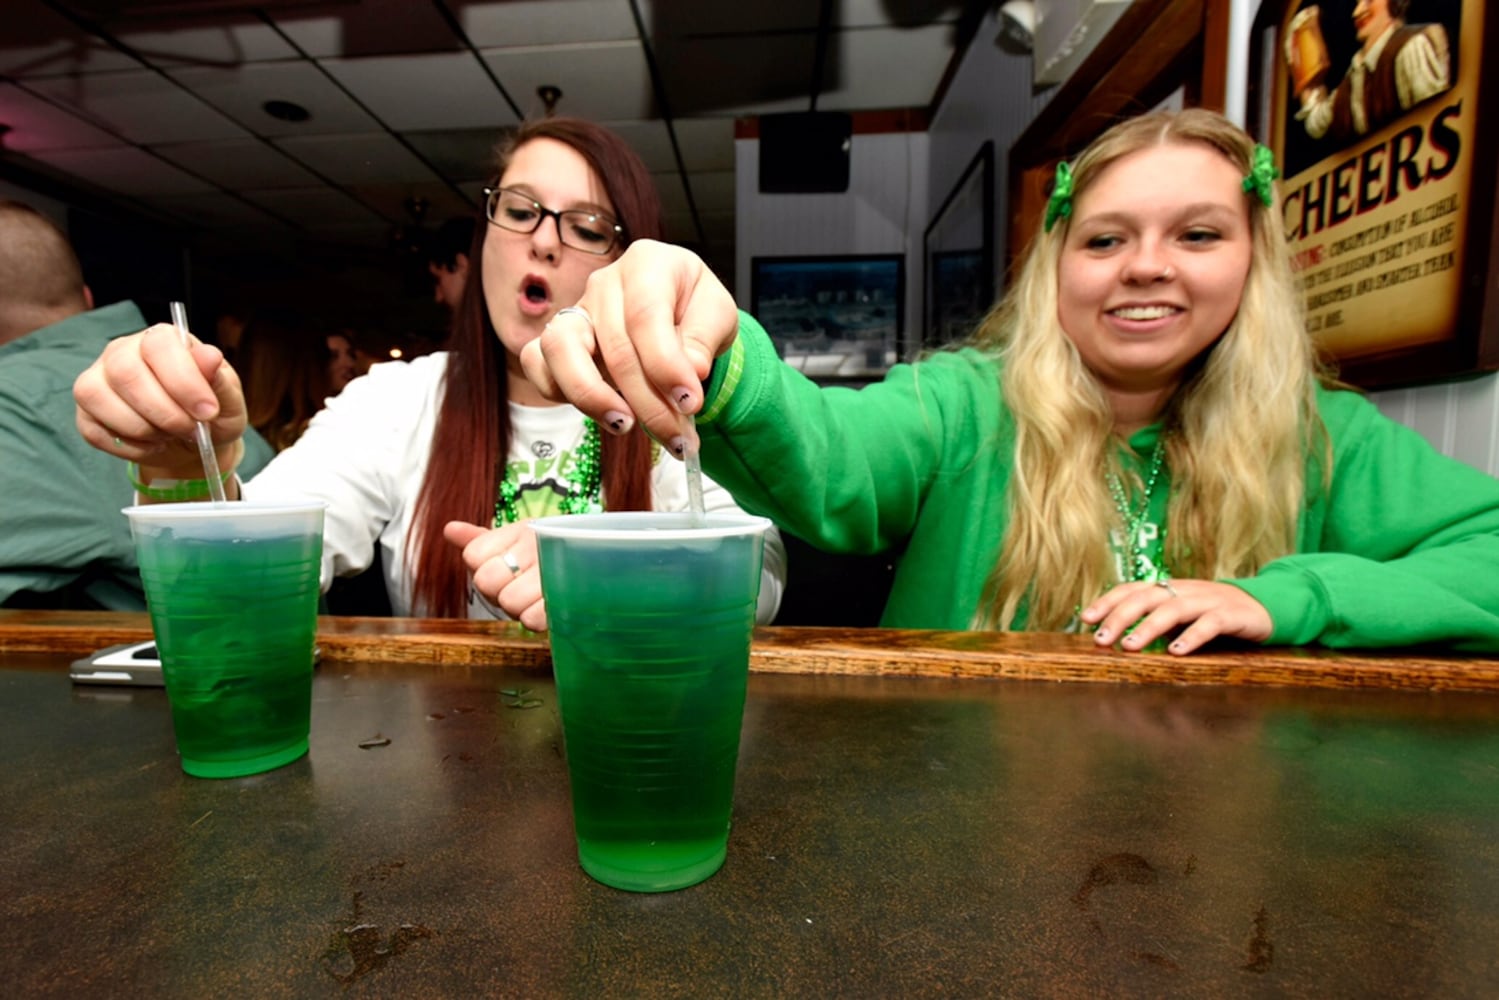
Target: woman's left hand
{"x": 1202, "y": 609}
{"x": 503, "y": 563}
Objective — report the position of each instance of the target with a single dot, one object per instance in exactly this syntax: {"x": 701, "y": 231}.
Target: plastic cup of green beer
{"x": 650, "y": 618}
{"x": 233, "y": 593}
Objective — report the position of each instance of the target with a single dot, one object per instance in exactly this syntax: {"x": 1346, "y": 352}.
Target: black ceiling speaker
{"x": 805, "y": 152}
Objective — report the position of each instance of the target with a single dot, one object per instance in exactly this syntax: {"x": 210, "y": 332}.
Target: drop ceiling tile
{"x": 368, "y": 27}
{"x": 865, "y": 56}
{"x": 222, "y": 212}
{"x": 310, "y": 208}
{"x": 730, "y": 75}
{"x": 419, "y": 204}
{"x": 680, "y": 228}
{"x": 241, "y": 92}
{"x": 673, "y": 193}
{"x": 433, "y": 91}
{"x": 124, "y": 170}
{"x": 370, "y": 236}
{"x": 706, "y": 143}
{"x": 467, "y": 155}
{"x": 713, "y": 191}
{"x": 884, "y": 13}
{"x": 719, "y": 226}
{"x": 239, "y": 163}
{"x": 38, "y": 42}
{"x": 605, "y": 81}
{"x": 473, "y": 191}
{"x": 36, "y": 124}
{"x": 370, "y": 158}
{"x": 547, "y": 22}
{"x": 682, "y": 18}
{"x": 650, "y": 141}
{"x": 139, "y": 106}
{"x": 236, "y": 39}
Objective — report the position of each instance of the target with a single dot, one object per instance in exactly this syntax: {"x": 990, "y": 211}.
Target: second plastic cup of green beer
{"x": 233, "y": 593}
{"x": 650, "y": 619}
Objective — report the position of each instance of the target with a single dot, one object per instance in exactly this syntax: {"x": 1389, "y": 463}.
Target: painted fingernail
{"x": 1101, "y": 636}
{"x": 618, "y": 422}
{"x": 678, "y": 446}
{"x": 1178, "y": 647}
{"x": 682, "y": 397}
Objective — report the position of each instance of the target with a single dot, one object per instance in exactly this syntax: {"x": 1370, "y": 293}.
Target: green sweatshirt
{"x": 63, "y": 541}
{"x": 1402, "y": 549}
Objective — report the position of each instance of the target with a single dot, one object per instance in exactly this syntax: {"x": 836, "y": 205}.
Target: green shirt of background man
{"x": 63, "y": 541}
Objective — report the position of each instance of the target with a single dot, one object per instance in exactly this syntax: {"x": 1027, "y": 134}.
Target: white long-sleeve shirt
{"x": 365, "y": 454}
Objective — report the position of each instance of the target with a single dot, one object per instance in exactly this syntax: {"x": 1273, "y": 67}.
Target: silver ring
{"x": 510, "y": 563}
{"x": 576, "y": 311}
{"x": 1169, "y": 589}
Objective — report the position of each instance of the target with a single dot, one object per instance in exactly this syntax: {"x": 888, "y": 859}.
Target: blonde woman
{"x": 1138, "y": 441}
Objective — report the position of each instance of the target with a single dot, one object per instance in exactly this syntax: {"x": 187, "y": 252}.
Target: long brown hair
{"x": 472, "y": 437}
{"x": 284, "y": 364}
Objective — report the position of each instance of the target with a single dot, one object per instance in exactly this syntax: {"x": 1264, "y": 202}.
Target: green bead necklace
{"x": 1137, "y": 563}
{"x": 582, "y": 496}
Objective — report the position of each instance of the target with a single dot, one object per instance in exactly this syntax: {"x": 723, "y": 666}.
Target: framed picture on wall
{"x": 834, "y": 318}
{"x": 1374, "y": 112}
{"x": 958, "y": 247}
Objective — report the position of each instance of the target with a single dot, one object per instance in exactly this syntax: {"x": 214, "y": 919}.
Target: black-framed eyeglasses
{"x": 590, "y": 232}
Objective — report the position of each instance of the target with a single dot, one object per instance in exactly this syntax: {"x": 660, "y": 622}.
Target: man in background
{"x": 447, "y": 260}
{"x": 63, "y": 541}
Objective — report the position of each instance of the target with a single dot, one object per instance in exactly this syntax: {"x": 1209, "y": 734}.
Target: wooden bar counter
{"x": 916, "y": 814}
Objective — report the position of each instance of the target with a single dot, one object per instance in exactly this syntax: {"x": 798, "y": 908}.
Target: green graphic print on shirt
{"x": 1150, "y": 560}
{"x": 543, "y": 480}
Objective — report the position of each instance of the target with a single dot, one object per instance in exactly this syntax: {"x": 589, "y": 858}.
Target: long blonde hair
{"x": 1238, "y": 429}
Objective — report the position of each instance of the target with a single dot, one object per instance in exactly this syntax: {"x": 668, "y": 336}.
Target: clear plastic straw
{"x": 205, "y": 443}
{"x": 695, "y": 479}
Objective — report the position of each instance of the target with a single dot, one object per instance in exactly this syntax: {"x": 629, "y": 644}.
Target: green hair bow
{"x": 1060, "y": 204}
{"x": 1261, "y": 174}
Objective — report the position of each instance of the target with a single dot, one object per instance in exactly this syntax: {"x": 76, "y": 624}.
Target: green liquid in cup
{"x": 650, "y": 648}
{"x": 236, "y": 647}
{"x": 652, "y": 740}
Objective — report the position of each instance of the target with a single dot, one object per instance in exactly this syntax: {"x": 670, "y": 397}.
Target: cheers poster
{"x": 1373, "y": 118}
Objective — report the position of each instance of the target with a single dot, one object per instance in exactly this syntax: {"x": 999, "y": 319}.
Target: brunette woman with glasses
{"x": 441, "y": 461}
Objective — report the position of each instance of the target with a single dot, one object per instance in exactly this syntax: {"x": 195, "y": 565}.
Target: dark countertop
{"x": 893, "y": 836}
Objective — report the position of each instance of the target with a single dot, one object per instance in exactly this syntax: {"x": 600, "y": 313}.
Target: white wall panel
{"x": 1460, "y": 419}
{"x": 882, "y": 212}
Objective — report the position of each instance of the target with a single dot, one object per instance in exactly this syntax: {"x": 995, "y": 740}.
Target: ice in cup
{"x": 650, "y": 620}
{"x": 233, "y": 594}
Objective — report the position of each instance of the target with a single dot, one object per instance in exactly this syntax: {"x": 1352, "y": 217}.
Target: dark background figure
{"x": 63, "y": 540}
{"x": 343, "y": 360}
{"x": 447, "y": 260}
{"x": 284, "y": 365}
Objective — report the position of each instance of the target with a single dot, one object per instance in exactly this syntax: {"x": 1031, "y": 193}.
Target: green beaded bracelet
{"x": 173, "y": 489}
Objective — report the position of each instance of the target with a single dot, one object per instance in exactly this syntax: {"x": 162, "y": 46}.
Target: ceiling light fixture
{"x": 286, "y": 111}
{"x": 549, "y": 95}
{"x": 1017, "y": 27}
